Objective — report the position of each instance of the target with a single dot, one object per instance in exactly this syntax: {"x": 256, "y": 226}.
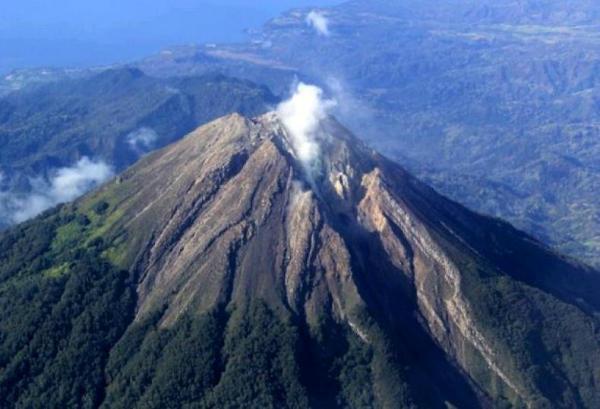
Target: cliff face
{"x": 360, "y": 285}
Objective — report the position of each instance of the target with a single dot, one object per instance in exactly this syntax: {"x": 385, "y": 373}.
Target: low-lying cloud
{"x": 142, "y": 140}
{"x": 319, "y": 22}
{"x": 301, "y": 115}
{"x": 65, "y": 185}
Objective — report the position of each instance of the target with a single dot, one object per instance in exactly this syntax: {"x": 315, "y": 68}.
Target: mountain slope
{"x": 502, "y": 93}
{"x": 115, "y": 116}
{"x": 226, "y": 271}
{"x": 495, "y": 103}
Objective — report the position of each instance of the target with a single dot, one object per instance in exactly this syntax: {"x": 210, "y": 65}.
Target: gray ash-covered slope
{"x": 243, "y": 277}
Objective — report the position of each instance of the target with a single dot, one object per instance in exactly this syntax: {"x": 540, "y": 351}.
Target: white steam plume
{"x": 301, "y": 115}
{"x": 67, "y": 184}
{"x": 319, "y": 22}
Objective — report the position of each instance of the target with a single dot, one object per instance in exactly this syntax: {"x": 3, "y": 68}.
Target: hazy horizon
{"x": 35, "y": 33}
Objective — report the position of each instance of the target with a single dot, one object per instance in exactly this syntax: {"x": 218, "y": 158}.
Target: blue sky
{"x": 87, "y": 32}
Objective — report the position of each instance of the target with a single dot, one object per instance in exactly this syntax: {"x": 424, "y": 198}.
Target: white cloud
{"x": 65, "y": 185}
{"x": 319, "y": 22}
{"x": 301, "y": 115}
{"x": 70, "y": 183}
{"x": 142, "y": 140}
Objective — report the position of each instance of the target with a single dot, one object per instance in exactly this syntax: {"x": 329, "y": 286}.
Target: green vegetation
{"x": 62, "y": 308}
{"x": 100, "y": 207}
{"x": 174, "y": 367}
{"x": 248, "y": 357}
{"x": 260, "y": 363}
{"x": 541, "y": 321}
{"x": 56, "y": 271}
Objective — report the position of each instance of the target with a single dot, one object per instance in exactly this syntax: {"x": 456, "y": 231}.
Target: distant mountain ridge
{"x": 115, "y": 116}
{"x": 487, "y": 11}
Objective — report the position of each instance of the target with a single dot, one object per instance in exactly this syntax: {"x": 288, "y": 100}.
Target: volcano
{"x": 224, "y": 271}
